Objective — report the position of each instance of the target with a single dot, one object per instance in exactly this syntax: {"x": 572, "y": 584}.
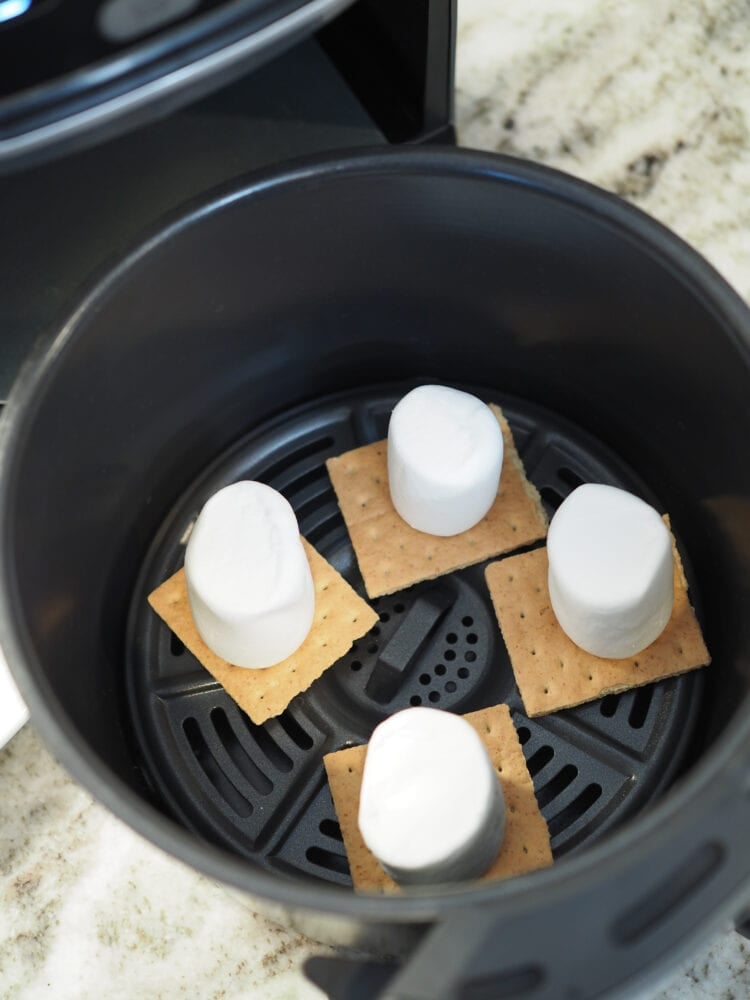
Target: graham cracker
{"x": 341, "y": 616}
{"x": 392, "y": 555}
{"x": 551, "y": 671}
{"x": 526, "y": 844}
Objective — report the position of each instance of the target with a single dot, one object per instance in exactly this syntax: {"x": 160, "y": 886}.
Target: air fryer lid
{"x": 74, "y": 74}
{"x": 275, "y": 325}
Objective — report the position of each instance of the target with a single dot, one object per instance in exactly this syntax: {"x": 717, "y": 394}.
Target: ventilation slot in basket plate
{"x": 213, "y": 771}
{"x": 279, "y": 471}
{"x": 239, "y": 755}
{"x": 575, "y": 810}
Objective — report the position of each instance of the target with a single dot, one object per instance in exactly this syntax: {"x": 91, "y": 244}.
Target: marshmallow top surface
{"x": 448, "y": 435}
{"x": 609, "y": 541}
{"x": 427, "y": 788}
{"x": 244, "y": 552}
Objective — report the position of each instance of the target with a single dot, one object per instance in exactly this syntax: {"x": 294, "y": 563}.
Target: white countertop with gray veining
{"x": 650, "y": 100}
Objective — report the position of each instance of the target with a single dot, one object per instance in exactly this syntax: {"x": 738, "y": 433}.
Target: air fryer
{"x": 273, "y": 323}
{"x": 274, "y": 326}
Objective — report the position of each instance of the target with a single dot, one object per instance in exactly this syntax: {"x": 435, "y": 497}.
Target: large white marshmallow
{"x": 445, "y": 455}
{"x": 431, "y": 806}
{"x": 248, "y": 578}
{"x": 610, "y": 571}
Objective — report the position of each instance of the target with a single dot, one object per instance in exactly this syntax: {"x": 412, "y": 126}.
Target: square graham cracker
{"x": 551, "y": 671}
{"x": 392, "y": 555}
{"x": 341, "y": 616}
{"x": 526, "y": 844}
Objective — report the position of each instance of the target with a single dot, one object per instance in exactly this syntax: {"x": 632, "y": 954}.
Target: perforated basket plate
{"x": 261, "y": 790}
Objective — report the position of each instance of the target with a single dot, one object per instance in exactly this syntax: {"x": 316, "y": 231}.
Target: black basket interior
{"x": 261, "y": 790}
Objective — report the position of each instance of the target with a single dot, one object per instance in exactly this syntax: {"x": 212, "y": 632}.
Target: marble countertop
{"x": 648, "y": 100}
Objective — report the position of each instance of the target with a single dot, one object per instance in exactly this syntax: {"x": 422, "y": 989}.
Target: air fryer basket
{"x": 261, "y": 790}
{"x": 256, "y": 335}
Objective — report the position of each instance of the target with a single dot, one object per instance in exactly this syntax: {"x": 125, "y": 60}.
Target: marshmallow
{"x": 610, "y": 571}
{"x": 445, "y": 453}
{"x": 431, "y": 807}
{"x": 248, "y": 579}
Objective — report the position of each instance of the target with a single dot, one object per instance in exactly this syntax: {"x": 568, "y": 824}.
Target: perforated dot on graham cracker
{"x": 526, "y": 844}
{"x": 551, "y": 671}
{"x": 392, "y": 555}
{"x": 341, "y": 616}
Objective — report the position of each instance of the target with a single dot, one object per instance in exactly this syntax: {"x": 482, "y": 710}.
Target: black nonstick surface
{"x": 261, "y": 790}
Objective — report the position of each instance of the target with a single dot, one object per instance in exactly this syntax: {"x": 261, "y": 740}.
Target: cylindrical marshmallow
{"x": 248, "y": 578}
{"x": 445, "y": 455}
{"x": 431, "y": 806}
{"x": 610, "y": 571}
